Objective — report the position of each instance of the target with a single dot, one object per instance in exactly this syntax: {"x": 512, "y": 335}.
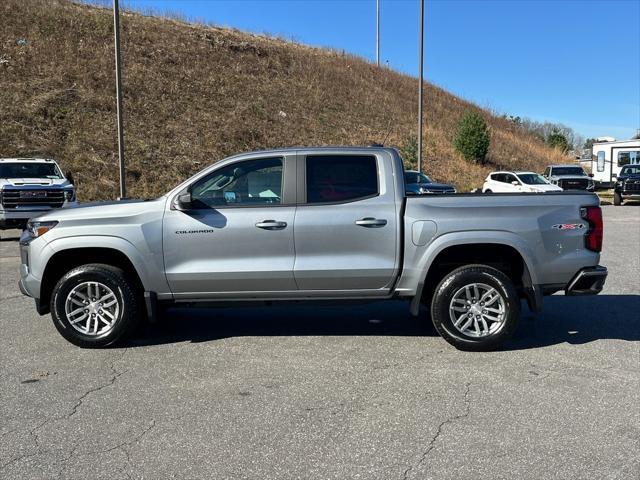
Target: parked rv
{"x": 608, "y": 159}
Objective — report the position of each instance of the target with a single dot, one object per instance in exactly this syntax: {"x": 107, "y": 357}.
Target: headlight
{"x": 37, "y": 229}
{"x": 70, "y": 195}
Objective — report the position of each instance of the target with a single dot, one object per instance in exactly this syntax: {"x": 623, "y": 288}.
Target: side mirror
{"x": 184, "y": 202}
{"x": 69, "y": 176}
{"x": 515, "y": 182}
{"x": 591, "y": 175}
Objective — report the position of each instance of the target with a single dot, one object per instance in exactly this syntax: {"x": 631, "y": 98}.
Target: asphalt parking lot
{"x": 306, "y": 392}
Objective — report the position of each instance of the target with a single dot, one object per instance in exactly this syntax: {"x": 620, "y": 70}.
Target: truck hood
{"x": 96, "y": 213}
{"x": 545, "y": 188}
{"x": 34, "y": 182}
{"x": 571, "y": 177}
{"x": 634, "y": 176}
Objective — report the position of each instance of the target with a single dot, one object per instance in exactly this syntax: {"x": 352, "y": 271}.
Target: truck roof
{"x": 36, "y": 160}
{"x": 328, "y": 149}
{"x": 565, "y": 165}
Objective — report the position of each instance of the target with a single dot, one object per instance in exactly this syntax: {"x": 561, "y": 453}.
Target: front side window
{"x": 252, "y": 182}
{"x": 601, "y": 161}
{"x": 508, "y": 178}
{"x": 625, "y": 158}
{"x": 532, "y": 179}
{"x": 547, "y": 171}
{"x": 341, "y": 178}
{"x": 30, "y": 170}
{"x": 416, "y": 177}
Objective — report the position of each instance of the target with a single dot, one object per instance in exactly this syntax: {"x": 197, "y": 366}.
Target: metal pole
{"x": 378, "y": 33}
{"x": 420, "y": 88}
{"x": 116, "y": 30}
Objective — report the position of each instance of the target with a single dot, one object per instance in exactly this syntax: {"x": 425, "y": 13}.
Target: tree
{"x": 588, "y": 143}
{"x": 473, "y": 137}
{"x": 409, "y": 152}
{"x": 558, "y": 140}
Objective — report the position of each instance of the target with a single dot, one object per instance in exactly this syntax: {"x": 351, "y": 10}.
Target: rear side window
{"x": 341, "y": 178}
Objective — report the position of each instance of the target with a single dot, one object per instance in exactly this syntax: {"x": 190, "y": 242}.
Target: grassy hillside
{"x": 195, "y": 94}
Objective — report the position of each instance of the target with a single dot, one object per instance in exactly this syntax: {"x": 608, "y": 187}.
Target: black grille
{"x": 574, "y": 184}
{"x": 632, "y": 186}
{"x": 53, "y": 198}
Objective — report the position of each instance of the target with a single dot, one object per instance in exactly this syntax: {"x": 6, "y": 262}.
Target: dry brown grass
{"x": 195, "y": 94}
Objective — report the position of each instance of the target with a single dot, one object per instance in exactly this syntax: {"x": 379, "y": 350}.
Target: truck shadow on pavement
{"x": 572, "y": 320}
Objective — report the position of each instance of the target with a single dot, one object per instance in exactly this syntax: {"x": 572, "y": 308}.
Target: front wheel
{"x": 476, "y": 308}
{"x": 94, "y": 305}
{"x": 617, "y": 199}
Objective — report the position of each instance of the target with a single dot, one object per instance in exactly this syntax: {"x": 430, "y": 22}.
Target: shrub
{"x": 409, "y": 152}
{"x": 473, "y": 137}
{"x": 558, "y": 141}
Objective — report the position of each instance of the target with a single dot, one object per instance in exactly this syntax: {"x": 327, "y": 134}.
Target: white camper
{"x": 609, "y": 157}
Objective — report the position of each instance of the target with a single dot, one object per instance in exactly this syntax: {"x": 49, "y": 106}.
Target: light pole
{"x": 378, "y": 33}
{"x": 116, "y": 31}
{"x": 420, "y": 87}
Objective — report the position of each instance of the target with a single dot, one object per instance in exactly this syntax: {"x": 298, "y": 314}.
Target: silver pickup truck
{"x": 316, "y": 224}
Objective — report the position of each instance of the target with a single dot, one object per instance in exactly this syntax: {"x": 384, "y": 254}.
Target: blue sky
{"x": 574, "y": 62}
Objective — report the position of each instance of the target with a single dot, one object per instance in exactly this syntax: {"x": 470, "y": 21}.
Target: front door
{"x": 346, "y": 226}
{"x": 237, "y": 237}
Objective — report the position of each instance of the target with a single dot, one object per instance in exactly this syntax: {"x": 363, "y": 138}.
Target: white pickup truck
{"x": 30, "y": 187}
{"x": 312, "y": 224}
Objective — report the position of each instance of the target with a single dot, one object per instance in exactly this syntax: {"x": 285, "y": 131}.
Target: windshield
{"x": 532, "y": 179}
{"x": 30, "y": 170}
{"x": 630, "y": 170}
{"x": 568, "y": 171}
{"x": 416, "y": 177}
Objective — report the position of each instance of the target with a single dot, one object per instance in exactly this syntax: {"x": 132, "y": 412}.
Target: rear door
{"x": 238, "y": 236}
{"x": 346, "y": 224}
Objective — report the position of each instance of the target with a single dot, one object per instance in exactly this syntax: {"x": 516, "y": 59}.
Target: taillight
{"x": 593, "y": 238}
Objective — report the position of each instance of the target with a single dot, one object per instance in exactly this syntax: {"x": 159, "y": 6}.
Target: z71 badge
{"x": 568, "y": 226}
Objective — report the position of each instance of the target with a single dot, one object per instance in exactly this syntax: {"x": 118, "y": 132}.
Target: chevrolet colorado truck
{"x": 312, "y": 224}
{"x": 29, "y": 187}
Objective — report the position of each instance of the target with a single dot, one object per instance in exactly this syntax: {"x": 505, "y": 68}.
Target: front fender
{"x": 148, "y": 265}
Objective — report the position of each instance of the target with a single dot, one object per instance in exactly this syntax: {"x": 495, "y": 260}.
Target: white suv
{"x": 30, "y": 187}
{"x": 517, "y": 182}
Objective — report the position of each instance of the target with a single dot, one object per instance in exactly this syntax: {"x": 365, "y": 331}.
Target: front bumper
{"x": 588, "y": 281}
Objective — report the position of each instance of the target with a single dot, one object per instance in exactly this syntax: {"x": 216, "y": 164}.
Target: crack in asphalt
{"x": 34, "y": 431}
{"x": 434, "y": 439}
{"x": 121, "y": 447}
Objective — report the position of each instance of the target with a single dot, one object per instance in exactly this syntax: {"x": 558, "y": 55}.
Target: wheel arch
{"x": 494, "y": 249}
{"x": 65, "y": 259}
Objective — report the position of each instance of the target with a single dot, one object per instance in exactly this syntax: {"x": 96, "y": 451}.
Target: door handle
{"x": 371, "y": 222}
{"x": 271, "y": 225}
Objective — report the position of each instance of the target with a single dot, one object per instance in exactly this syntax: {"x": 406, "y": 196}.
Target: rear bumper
{"x": 588, "y": 281}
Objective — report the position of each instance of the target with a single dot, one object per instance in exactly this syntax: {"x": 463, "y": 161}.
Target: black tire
{"x": 123, "y": 288}
{"x": 488, "y": 191}
{"x": 453, "y": 283}
{"x": 617, "y": 199}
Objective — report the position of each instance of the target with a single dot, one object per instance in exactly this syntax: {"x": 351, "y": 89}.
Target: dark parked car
{"x": 627, "y": 185}
{"x": 417, "y": 183}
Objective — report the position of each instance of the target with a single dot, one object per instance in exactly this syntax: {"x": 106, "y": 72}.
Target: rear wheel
{"x": 475, "y": 307}
{"x": 488, "y": 191}
{"x": 617, "y": 198}
{"x": 94, "y": 305}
